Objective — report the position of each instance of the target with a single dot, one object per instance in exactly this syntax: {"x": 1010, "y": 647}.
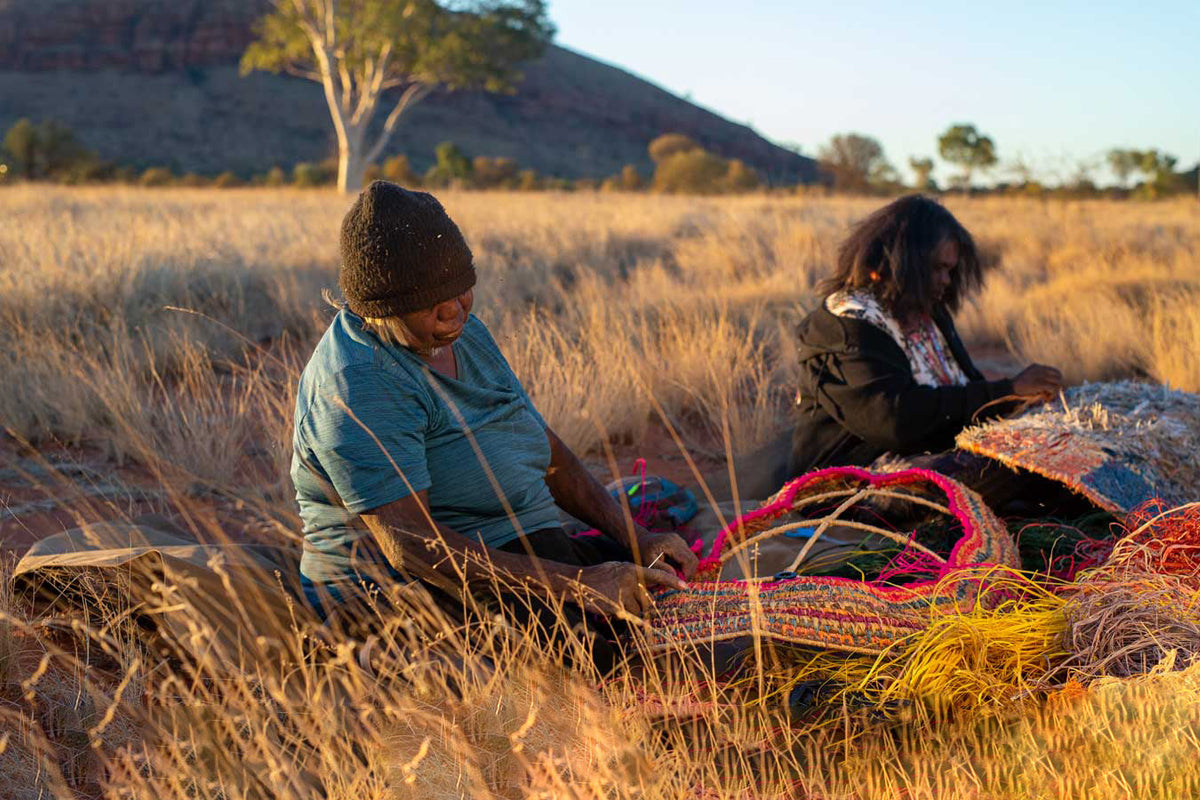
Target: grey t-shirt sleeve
{"x": 367, "y": 431}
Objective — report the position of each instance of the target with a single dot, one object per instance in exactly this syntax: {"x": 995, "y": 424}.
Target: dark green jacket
{"x": 858, "y": 399}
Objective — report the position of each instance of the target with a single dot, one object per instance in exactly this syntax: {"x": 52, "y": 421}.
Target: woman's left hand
{"x": 670, "y": 547}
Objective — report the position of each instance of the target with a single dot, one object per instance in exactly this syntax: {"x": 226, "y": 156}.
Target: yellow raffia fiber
{"x": 979, "y": 659}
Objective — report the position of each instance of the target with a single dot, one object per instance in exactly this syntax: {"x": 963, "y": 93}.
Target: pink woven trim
{"x": 950, "y": 488}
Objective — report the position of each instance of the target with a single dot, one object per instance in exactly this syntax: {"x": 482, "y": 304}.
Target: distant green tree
{"x": 1079, "y": 183}
{"x": 1124, "y": 163}
{"x": 670, "y": 144}
{"x": 451, "y": 167}
{"x": 1161, "y": 178}
{"x": 966, "y": 147}
{"x": 49, "y": 151}
{"x": 61, "y": 152}
{"x": 923, "y": 171}
{"x": 307, "y": 175}
{"x": 359, "y": 49}
{"x": 855, "y": 162}
{"x": 21, "y": 143}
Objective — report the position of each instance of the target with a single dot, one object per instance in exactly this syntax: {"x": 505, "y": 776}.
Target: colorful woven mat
{"x": 826, "y": 612}
{"x": 1118, "y": 444}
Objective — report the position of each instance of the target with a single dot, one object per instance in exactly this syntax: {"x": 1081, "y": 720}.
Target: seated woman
{"x": 882, "y": 369}
{"x": 418, "y": 453}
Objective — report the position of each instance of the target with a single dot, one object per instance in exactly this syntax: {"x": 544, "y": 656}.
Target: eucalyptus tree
{"x": 373, "y": 54}
{"x": 968, "y": 148}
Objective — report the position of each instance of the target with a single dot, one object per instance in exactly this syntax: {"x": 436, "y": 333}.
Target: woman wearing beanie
{"x": 417, "y": 452}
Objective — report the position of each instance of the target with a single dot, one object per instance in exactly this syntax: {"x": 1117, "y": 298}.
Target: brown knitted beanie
{"x": 401, "y": 253}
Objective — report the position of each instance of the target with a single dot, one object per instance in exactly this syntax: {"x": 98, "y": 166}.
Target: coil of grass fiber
{"x": 977, "y": 659}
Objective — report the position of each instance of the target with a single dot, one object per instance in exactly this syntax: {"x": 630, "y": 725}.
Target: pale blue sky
{"x": 1052, "y": 82}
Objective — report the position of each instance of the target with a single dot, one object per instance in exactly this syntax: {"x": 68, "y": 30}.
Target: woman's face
{"x": 943, "y": 262}
{"x": 439, "y": 326}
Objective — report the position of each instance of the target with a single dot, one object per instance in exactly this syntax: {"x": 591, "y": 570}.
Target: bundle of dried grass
{"x": 1121, "y": 628}
{"x": 1141, "y": 609}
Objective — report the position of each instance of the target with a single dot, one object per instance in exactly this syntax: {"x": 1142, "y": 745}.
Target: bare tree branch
{"x": 373, "y": 80}
{"x": 299, "y": 72}
{"x": 347, "y": 84}
{"x": 331, "y": 23}
{"x": 412, "y": 95}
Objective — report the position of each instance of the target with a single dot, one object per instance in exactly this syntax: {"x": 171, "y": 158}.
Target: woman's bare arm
{"x": 414, "y": 543}
{"x": 406, "y": 532}
{"x": 577, "y": 492}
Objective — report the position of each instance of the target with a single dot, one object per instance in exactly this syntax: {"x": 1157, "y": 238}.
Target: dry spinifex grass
{"x": 602, "y": 304}
{"x": 431, "y": 709}
{"x": 697, "y": 298}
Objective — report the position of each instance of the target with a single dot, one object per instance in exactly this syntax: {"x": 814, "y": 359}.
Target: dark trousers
{"x": 353, "y": 607}
{"x": 602, "y": 636}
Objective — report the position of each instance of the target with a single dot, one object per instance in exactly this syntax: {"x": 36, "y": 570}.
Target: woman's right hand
{"x": 622, "y": 586}
{"x": 1039, "y": 382}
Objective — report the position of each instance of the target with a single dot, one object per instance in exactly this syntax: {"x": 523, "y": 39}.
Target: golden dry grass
{"x": 606, "y": 306}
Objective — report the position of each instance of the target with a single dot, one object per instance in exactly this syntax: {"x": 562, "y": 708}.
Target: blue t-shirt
{"x": 371, "y": 429}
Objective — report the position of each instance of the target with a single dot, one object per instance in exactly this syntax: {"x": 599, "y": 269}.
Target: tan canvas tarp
{"x": 207, "y": 597}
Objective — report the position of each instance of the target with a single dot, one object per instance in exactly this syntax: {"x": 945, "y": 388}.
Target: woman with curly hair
{"x": 882, "y": 368}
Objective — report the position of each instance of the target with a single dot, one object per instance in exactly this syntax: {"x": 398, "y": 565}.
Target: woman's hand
{"x": 622, "y": 585}
{"x": 655, "y": 548}
{"x": 1038, "y": 382}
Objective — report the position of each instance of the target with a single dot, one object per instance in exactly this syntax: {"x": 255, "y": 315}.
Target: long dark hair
{"x": 890, "y": 252}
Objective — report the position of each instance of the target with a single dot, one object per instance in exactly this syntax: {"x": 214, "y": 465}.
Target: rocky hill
{"x": 155, "y": 82}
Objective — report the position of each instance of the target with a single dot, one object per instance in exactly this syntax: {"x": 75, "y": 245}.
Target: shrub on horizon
{"x": 156, "y": 176}
{"x": 50, "y": 151}
{"x": 528, "y": 181}
{"x": 307, "y": 175}
{"x": 630, "y": 180}
{"x": 397, "y": 170}
{"x": 558, "y": 185}
{"x": 452, "y": 168}
{"x": 494, "y": 173}
{"x": 691, "y": 172}
{"x": 193, "y": 180}
{"x": 227, "y": 180}
{"x": 671, "y": 144}
{"x": 275, "y": 177}
{"x": 739, "y": 177}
